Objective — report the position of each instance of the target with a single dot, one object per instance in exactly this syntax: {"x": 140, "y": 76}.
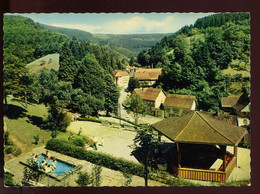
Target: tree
{"x": 111, "y": 95}
{"x": 68, "y": 66}
{"x": 83, "y": 179}
{"x": 132, "y": 84}
{"x": 143, "y": 58}
{"x": 90, "y": 77}
{"x": 136, "y": 105}
{"x": 25, "y": 88}
{"x": 96, "y": 176}
{"x": 16, "y": 79}
{"x": 54, "y": 133}
{"x": 31, "y": 173}
{"x": 58, "y": 119}
{"x": 145, "y": 139}
{"x": 219, "y": 49}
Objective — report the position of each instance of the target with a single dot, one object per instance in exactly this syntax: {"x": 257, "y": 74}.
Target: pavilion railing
{"x": 231, "y": 166}
{"x": 208, "y": 175}
{"x": 204, "y": 175}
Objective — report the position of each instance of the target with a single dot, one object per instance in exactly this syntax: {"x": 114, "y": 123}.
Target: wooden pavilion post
{"x": 179, "y": 154}
{"x": 159, "y": 146}
{"x": 235, "y": 153}
{"x": 224, "y": 158}
{"x": 159, "y": 136}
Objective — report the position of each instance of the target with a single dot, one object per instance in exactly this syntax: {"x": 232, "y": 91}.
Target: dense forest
{"x": 83, "y": 82}
{"x": 127, "y": 44}
{"x": 195, "y": 58}
{"x": 204, "y": 59}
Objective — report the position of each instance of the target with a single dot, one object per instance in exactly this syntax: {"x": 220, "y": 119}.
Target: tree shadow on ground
{"x": 139, "y": 154}
{"x": 38, "y": 121}
{"x": 22, "y": 102}
{"x": 15, "y": 112}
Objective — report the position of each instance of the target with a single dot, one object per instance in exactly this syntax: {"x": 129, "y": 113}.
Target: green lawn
{"x": 232, "y": 71}
{"x": 23, "y": 123}
{"x": 50, "y": 61}
{"x": 237, "y": 67}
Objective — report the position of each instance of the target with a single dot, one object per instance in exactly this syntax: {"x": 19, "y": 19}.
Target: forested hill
{"x": 26, "y": 41}
{"x": 218, "y": 20}
{"x": 127, "y": 44}
{"x": 78, "y": 34}
{"x": 83, "y": 82}
{"x": 205, "y": 59}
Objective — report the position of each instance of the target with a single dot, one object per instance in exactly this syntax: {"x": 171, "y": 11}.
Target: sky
{"x": 119, "y": 23}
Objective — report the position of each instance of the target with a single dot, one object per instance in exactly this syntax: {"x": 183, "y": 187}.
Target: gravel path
{"x": 116, "y": 140}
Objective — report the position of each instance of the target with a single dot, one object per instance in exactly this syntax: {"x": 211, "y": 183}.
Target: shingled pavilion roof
{"x": 200, "y": 128}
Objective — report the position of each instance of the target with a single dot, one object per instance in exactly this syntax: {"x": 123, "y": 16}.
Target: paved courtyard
{"x": 117, "y": 141}
{"x": 108, "y": 177}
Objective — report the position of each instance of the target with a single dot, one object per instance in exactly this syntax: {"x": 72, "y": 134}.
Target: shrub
{"x": 36, "y": 138}
{"x": 128, "y": 178}
{"x": 6, "y": 138}
{"x": 83, "y": 179}
{"x": 85, "y": 109}
{"x": 54, "y": 134}
{"x": 80, "y": 131}
{"x": 79, "y": 142}
{"x": 8, "y": 181}
{"x": 71, "y": 136}
{"x": 106, "y": 160}
{"x": 89, "y": 141}
{"x": 9, "y": 149}
{"x": 17, "y": 152}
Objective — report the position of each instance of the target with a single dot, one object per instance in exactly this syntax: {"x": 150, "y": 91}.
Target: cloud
{"x": 139, "y": 24}
{"x": 135, "y": 24}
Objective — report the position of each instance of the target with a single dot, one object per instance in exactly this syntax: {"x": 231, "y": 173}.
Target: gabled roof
{"x": 236, "y": 102}
{"x": 179, "y": 101}
{"x": 199, "y": 128}
{"x": 242, "y": 102}
{"x": 229, "y": 102}
{"x": 148, "y": 74}
{"x": 246, "y": 108}
{"x": 120, "y": 73}
{"x": 150, "y": 94}
{"x": 131, "y": 67}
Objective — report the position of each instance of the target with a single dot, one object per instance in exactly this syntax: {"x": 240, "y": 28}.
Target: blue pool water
{"x": 61, "y": 168}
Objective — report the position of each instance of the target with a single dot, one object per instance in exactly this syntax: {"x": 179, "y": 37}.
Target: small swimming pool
{"x": 61, "y": 168}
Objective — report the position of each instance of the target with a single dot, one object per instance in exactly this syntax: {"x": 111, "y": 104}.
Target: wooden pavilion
{"x": 198, "y": 128}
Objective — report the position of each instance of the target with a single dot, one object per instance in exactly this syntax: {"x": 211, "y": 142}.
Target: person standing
{"x": 102, "y": 142}
{"x": 95, "y": 142}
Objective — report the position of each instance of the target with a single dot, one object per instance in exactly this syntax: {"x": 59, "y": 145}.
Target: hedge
{"x": 106, "y": 160}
